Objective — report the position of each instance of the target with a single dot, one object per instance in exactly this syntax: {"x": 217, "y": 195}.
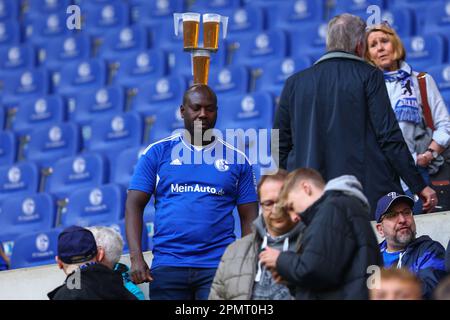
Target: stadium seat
{"x": 441, "y": 74}
{"x": 424, "y": 51}
{"x": 356, "y": 7}
{"x": 124, "y": 166}
{"x": 27, "y": 213}
{"x": 18, "y": 179}
{"x": 9, "y": 33}
{"x": 94, "y": 206}
{"x": 34, "y": 113}
{"x": 59, "y": 51}
{"x": 110, "y": 135}
{"x": 42, "y": 7}
{"x": 17, "y": 58}
{"x": 137, "y": 67}
{"x": 48, "y": 144}
{"x": 309, "y": 41}
{"x": 437, "y": 17}
{"x": 256, "y": 49}
{"x": 277, "y": 71}
{"x": 40, "y": 28}
{"x": 81, "y": 75}
{"x": 35, "y": 249}
{"x": 120, "y": 227}
{"x": 143, "y": 11}
{"x": 158, "y": 94}
{"x": 72, "y": 173}
{"x": 2, "y": 117}
{"x": 214, "y": 5}
{"x": 103, "y": 18}
{"x": 31, "y": 83}
{"x": 8, "y": 148}
{"x": 9, "y": 9}
{"x": 165, "y": 122}
{"x": 401, "y": 20}
{"x": 247, "y": 19}
{"x": 419, "y": 7}
{"x": 92, "y": 104}
{"x": 230, "y": 80}
{"x": 124, "y": 41}
{"x": 293, "y": 14}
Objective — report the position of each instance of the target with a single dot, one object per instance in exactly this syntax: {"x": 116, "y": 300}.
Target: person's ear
{"x": 100, "y": 254}
{"x": 307, "y": 188}
{"x": 59, "y": 263}
{"x": 182, "y": 111}
{"x": 360, "y": 49}
{"x": 379, "y": 228}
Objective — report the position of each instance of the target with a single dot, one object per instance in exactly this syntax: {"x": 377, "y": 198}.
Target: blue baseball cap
{"x": 388, "y": 200}
{"x": 76, "y": 245}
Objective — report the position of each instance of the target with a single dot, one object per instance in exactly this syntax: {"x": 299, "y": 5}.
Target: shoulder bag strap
{"x": 425, "y": 106}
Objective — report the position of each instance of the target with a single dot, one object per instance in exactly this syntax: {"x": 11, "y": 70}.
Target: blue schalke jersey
{"x": 196, "y": 190}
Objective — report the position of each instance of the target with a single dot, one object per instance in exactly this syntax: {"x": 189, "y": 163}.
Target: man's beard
{"x": 403, "y": 239}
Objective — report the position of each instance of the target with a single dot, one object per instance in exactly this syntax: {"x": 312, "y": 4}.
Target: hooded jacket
{"x": 425, "y": 258}
{"x": 239, "y": 265}
{"x": 97, "y": 282}
{"x": 337, "y": 247}
{"x": 336, "y": 117}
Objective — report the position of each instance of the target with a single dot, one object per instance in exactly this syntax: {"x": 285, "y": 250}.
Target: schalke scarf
{"x": 404, "y": 99}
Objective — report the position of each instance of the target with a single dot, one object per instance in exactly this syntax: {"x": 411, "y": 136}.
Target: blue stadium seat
{"x": 27, "y": 213}
{"x": 419, "y": 7}
{"x": 41, "y": 7}
{"x": 90, "y": 105}
{"x": 35, "y": 249}
{"x": 230, "y": 80}
{"x": 309, "y": 41}
{"x": 441, "y": 74}
{"x": 9, "y": 33}
{"x": 124, "y": 166}
{"x": 32, "y": 113}
{"x": 437, "y": 17}
{"x": 9, "y": 9}
{"x": 165, "y": 122}
{"x": 2, "y": 117}
{"x": 249, "y": 111}
{"x": 40, "y": 28}
{"x": 424, "y": 51}
{"x": 356, "y": 7}
{"x": 120, "y": 227}
{"x": 31, "y": 83}
{"x": 158, "y": 94}
{"x": 402, "y": 20}
{"x": 143, "y": 11}
{"x": 103, "y": 18}
{"x": 293, "y": 14}
{"x": 276, "y": 72}
{"x": 94, "y": 206}
{"x": 137, "y": 67}
{"x": 81, "y": 75}
{"x": 110, "y": 135}
{"x": 18, "y": 179}
{"x": 124, "y": 41}
{"x": 50, "y": 143}
{"x": 17, "y": 58}
{"x": 247, "y": 19}
{"x": 59, "y": 51}
{"x": 8, "y": 148}
{"x": 214, "y": 5}
{"x": 72, "y": 173}
{"x": 256, "y": 49}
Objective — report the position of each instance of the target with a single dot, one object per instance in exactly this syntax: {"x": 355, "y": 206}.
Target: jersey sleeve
{"x": 145, "y": 172}
{"x": 247, "y": 185}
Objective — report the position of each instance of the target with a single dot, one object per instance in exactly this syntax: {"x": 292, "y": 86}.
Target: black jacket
{"x": 97, "y": 283}
{"x": 337, "y": 247}
{"x": 336, "y": 117}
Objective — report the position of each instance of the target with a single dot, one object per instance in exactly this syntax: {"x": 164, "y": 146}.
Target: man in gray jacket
{"x": 240, "y": 275}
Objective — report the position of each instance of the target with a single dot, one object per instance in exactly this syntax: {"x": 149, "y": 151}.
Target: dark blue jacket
{"x": 425, "y": 258}
{"x": 336, "y": 117}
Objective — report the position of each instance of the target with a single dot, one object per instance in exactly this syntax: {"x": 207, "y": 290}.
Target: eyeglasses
{"x": 267, "y": 205}
{"x": 378, "y": 26}
{"x": 394, "y": 214}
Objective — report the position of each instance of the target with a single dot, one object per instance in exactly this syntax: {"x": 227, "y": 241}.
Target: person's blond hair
{"x": 399, "y": 49}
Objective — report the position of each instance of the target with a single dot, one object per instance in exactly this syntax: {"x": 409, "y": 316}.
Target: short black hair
{"x": 199, "y": 87}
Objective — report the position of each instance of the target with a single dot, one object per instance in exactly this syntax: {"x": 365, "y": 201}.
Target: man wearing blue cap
{"x": 86, "y": 279}
{"x": 401, "y": 248}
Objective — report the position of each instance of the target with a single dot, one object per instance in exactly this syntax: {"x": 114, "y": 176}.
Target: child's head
{"x": 397, "y": 284}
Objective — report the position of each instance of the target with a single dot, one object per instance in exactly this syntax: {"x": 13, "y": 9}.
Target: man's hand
{"x": 424, "y": 159}
{"x": 269, "y": 258}
{"x": 429, "y": 199}
{"x": 140, "y": 271}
